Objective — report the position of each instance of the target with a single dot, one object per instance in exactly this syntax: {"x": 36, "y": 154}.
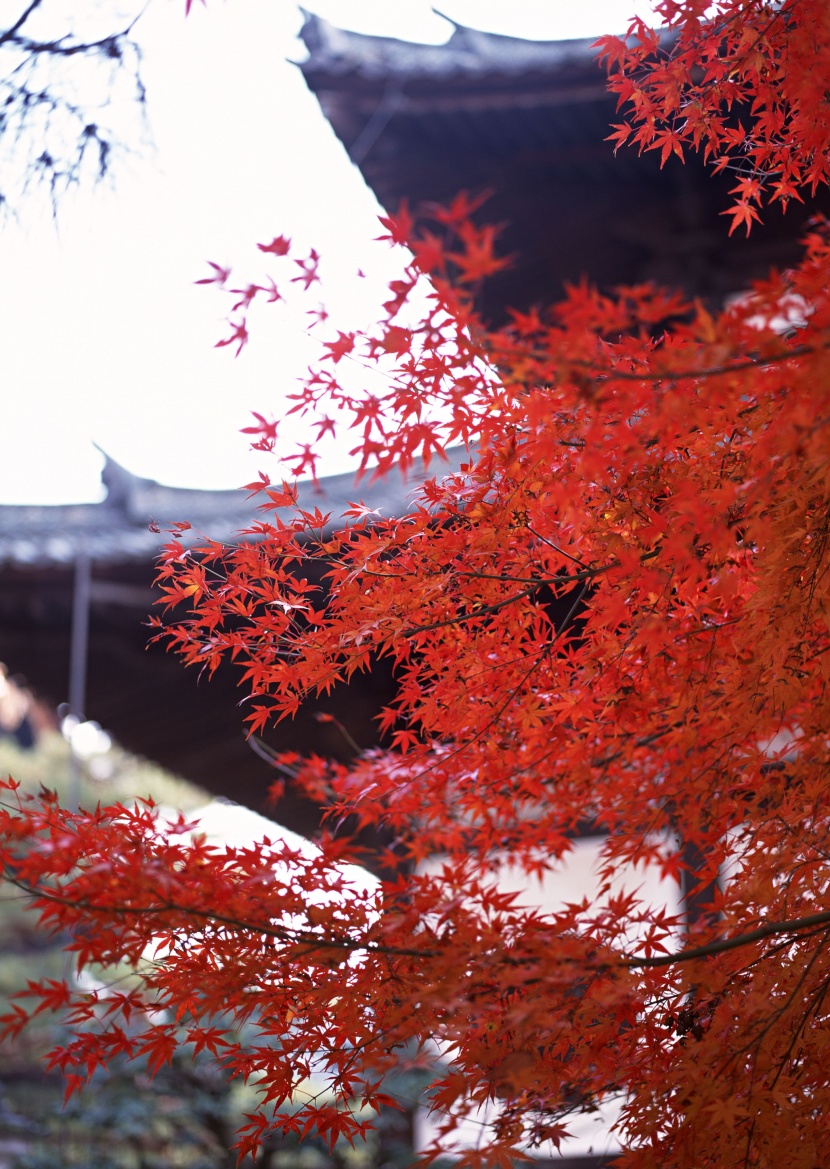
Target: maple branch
{"x": 712, "y": 371}
{"x": 544, "y": 540}
{"x": 483, "y": 611}
{"x": 292, "y": 937}
{"x": 720, "y": 946}
{"x": 561, "y": 579}
{"x": 261, "y": 748}
{"x": 313, "y": 942}
{"x": 645, "y": 741}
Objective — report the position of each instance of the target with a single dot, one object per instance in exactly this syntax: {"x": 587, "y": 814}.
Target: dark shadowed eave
{"x": 137, "y": 691}
{"x": 362, "y": 81}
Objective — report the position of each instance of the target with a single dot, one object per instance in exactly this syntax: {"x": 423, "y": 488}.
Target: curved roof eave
{"x": 117, "y": 530}
{"x": 468, "y": 52}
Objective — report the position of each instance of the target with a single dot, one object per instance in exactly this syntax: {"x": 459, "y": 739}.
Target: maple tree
{"x": 617, "y": 610}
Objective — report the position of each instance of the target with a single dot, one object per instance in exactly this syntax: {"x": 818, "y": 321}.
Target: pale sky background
{"x": 103, "y": 335}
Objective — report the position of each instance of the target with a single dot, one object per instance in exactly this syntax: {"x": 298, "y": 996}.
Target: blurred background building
{"x": 526, "y": 121}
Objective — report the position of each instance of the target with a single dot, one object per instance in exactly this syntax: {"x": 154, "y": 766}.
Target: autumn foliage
{"x": 745, "y": 85}
{"x": 617, "y": 611}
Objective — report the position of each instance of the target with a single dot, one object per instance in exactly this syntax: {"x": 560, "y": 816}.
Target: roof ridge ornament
{"x": 119, "y": 483}
{"x": 448, "y": 19}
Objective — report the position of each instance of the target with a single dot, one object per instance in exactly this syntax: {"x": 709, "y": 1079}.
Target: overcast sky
{"x": 103, "y": 335}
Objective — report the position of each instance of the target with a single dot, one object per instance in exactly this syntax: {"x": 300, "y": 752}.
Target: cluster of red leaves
{"x": 296, "y": 978}
{"x": 617, "y": 609}
{"x": 746, "y": 84}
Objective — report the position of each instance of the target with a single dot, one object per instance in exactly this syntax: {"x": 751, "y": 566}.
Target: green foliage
{"x": 128, "y": 1121}
{"x": 109, "y": 777}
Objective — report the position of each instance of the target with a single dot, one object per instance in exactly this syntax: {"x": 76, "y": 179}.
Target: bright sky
{"x": 103, "y": 336}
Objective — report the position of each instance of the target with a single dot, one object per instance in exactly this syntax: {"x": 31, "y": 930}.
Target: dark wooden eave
{"x": 528, "y": 120}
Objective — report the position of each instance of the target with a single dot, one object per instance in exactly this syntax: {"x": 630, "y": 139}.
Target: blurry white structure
{"x": 226, "y": 824}
{"x": 86, "y": 738}
{"x": 574, "y": 878}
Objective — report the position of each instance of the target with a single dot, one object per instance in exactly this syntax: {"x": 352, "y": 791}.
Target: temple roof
{"x": 138, "y": 691}
{"x": 468, "y": 51}
{"x": 117, "y": 530}
{"x": 363, "y": 83}
{"x": 529, "y": 121}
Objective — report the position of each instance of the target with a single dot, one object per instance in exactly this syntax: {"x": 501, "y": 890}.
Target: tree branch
{"x": 796, "y": 925}
{"x": 290, "y": 937}
{"x": 609, "y": 375}
{"x": 10, "y": 33}
{"x": 483, "y": 611}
